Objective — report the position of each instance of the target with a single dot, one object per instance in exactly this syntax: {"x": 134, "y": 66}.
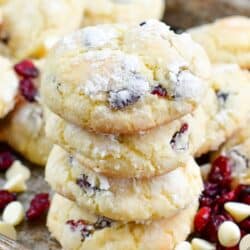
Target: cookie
{"x": 120, "y": 79}
{"x": 38, "y": 24}
{"x": 24, "y": 131}
{"x": 123, "y": 199}
{"x": 133, "y": 11}
{"x": 76, "y": 228}
{"x": 151, "y": 153}
{"x": 226, "y": 40}
{"x": 8, "y": 87}
{"x": 228, "y": 107}
{"x": 237, "y": 149}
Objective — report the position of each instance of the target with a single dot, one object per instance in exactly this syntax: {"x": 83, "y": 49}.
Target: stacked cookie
{"x": 124, "y": 110}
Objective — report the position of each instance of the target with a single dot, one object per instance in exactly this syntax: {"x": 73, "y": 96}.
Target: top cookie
{"x": 226, "y": 40}
{"x": 125, "y": 11}
{"x": 120, "y": 79}
{"x": 31, "y": 27}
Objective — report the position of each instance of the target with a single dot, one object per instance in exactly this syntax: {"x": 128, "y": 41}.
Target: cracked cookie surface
{"x": 75, "y": 228}
{"x": 120, "y": 79}
{"x": 124, "y": 199}
{"x": 227, "y": 40}
{"x": 228, "y": 108}
{"x": 147, "y": 154}
{"x": 24, "y": 131}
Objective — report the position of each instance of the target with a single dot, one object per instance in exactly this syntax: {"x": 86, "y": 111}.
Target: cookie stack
{"x": 124, "y": 112}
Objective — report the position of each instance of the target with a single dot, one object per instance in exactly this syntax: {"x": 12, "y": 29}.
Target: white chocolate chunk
{"x": 18, "y": 168}
{"x": 16, "y": 184}
{"x": 184, "y": 245}
{"x": 238, "y": 211}
{"x": 229, "y": 234}
{"x": 8, "y": 230}
{"x": 13, "y": 213}
{"x": 199, "y": 244}
{"x": 245, "y": 242}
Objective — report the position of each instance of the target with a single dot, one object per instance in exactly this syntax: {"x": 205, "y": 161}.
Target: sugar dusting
{"x": 114, "y": 71}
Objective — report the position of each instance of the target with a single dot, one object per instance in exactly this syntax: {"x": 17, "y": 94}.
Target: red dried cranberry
{"x": 38, "y": 206}
{"x": 243, "y": 194}
{"x": 5, "y": 198}
{"x": 211, "y": 230}
{"x": 245, "y": 225}
{"x": 28, "y": 89}
{"x": 202, "y": 218}
{"x": 84, "y": 227}
{"x": 75, "y": 224}
{"x": 26, "y": 68}
{"x": 6, "y": 160}
{"x": 219, "y": 247}
{"x": 211, "y": 189}
{"x": 229, "y": 196}
{"x": 221, "y": 171}
{"x": 184, "y": 128}
{"x": 159, "y": 90}
{"x": 205, "y": 201}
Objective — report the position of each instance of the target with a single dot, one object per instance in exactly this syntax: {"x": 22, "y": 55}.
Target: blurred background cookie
{"x": 38, "y": 24}
{"x": 128, "y": 11}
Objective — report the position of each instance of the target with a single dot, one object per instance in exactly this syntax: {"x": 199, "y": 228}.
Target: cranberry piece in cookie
{"x": 28, "y": 89}
{"x": 26, "y": 68}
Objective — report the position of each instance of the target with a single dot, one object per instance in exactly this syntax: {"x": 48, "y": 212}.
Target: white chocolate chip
{"x": 229, "y": 234}
{"x": 238, "y": 211}
{"x": 184, "y": 245}
{"x": 199, "y": 244}
{"x": 18, "y": 168}
{"x": 15, "y": 184}
{"x": 245, "y": 242}
{"x": 13, "y": 213}
{"x": 8, "y": 230}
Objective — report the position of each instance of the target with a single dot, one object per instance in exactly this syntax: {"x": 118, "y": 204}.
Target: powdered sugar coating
{"x": 112, "y": 77}
{"x": 121, "y": 198}
{"x": 164, "y": 233}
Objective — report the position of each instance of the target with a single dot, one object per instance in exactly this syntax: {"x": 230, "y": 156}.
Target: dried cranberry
{"x": 28, "y": 89}
{"x": 6, "y": 160}
{"x": 38, "y": 206}
{"x": 221, "y": 171}
{"x": 5, "y": 198}
{"x": 75, "y": 224}
{"x": 26, "y": 68}
{"x": 82, "y": 226}
{"x": 205, "y": 201}
{"x": 122, "y": 98}
{"x": 219, "y": 247}
{"x": 184, "y": 128}
{"x": 202, "y": 218}
{"x": 83, "y": 182}
{"x": 159, "y": 90}
{"x": 229, "y": 196}
{"x": 211, "y": 230}
{"x": 211, "y": 189}
{"x": 245, "y": 225}
{"x": 243, "y": 194}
